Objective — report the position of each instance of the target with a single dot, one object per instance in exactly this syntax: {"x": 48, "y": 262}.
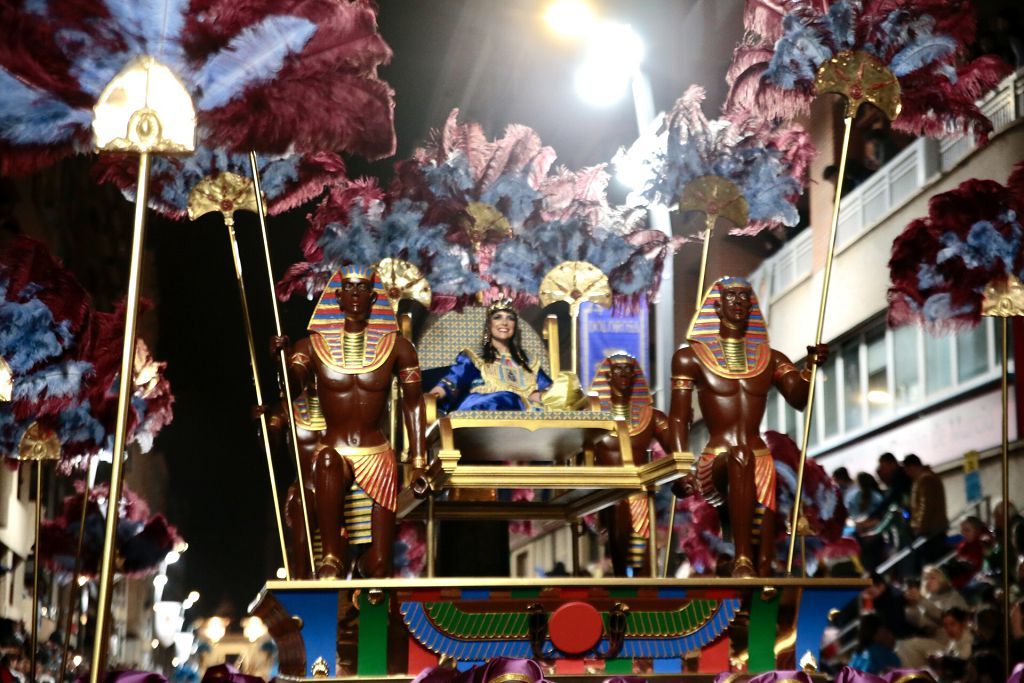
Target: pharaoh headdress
{"x": 706, "y": 343}
{"x": 640, "y": 401}
{"x": 327, "y": 324}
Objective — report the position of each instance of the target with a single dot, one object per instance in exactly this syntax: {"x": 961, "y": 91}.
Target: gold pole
{"x": 73, "y": 586}
{"x": 808, "y": 411}
{"x": 710, "y": 219}
{"x": 652, "y": 543}
{"x": 229, "y": 223}
{"x": 668, "y": 537}
{"x": 431, "y": 532}
{"x": 34, "y": 639}
{"x": 106, "y": 577}
{"x": 281, "y": 357}
{"x": 1005, "y": 453}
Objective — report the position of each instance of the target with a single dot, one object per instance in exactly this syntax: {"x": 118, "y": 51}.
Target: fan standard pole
{"x": 710, "y": 219}
{"x": 1005, "y": 458}
{"x": 281, "y": 357}
{"x": 34, "y": 638}
{"x": 809, "y": 410}
{"x": 229, "y": 223}
{"x": 73, "y": 586}
{"x": 709, "y": 225}
{"x": 668, "y": 535}
{"x": 106, "y": 577}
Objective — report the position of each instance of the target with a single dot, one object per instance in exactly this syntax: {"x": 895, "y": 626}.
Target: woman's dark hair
{"x": 867, "y": 482}
{"x": 490, "y": 354}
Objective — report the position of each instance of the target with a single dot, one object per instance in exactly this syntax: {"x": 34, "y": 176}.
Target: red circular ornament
{"x": 575, "y": 627}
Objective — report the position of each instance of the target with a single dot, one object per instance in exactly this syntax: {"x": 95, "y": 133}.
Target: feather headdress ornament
{"x": 356, "y": 224}
{"x": 942, "y": 263}
{"x": 143, "y": 540}
{"x": 268, "y": 57}
{"x": 746, "y": 152}
{"x": 923, "y": 44}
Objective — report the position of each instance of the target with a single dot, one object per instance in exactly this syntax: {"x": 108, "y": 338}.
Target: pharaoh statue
{"x": 622, "y": 390}
{"x": 730, "y": 364}
{"x": 353, "y": 351}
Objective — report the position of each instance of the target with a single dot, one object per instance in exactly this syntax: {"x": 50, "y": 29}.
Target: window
{"x": 906, "y": 378}
{"x": 853, "y": 397}
{"x": 880, "y": 374}
{"x": 828, "y": 390}
{"x": 879, "y": 399}
{"x": 972, "y": 353}
{"x": 938, "y": 354}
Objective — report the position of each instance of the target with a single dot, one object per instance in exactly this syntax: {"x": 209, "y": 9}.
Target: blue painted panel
{"x": 318, "y": 610}
{"x": 812, "y": 618}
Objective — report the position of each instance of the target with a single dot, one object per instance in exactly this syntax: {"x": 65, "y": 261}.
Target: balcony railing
{"x": 887, "y": 189}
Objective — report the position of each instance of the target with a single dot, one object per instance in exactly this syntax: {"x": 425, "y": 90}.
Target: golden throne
{"x": 475, "y": 451}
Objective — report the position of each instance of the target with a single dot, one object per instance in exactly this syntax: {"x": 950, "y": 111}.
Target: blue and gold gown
{"x": 473, "y": 384}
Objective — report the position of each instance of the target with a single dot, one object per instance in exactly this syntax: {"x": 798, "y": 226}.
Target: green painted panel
{"x": 372, "y": 658}
{"x": 761, "y": 646}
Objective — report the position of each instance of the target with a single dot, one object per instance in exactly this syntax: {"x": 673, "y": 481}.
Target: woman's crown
{"x": 500, "y": 304}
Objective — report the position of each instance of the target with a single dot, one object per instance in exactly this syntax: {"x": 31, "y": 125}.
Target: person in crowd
{"x": 889, "y": 602}
{"x": 928, "y": 519}
{"x": 842, "y": 478}
{"x": 988, "y": 629}
{"x": 976, "y": 541}
{"x": 879, "y": 148}
{"x": 886, "y": 517}
{"x": 956, "y": 624}
{"x": 860, "y": 501}
{"x": 874, "y": 652}
{"x": 994, "y": 559}
{"x": 925, "y": 611}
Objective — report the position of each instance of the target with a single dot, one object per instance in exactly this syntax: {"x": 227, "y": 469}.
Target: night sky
{"x": 493, "y": 60}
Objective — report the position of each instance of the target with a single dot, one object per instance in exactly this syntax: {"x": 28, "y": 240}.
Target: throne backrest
{"x": 445, "y": 337}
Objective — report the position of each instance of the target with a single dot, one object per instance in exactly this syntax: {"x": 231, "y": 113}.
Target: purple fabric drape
{"x": 509, "y": 670}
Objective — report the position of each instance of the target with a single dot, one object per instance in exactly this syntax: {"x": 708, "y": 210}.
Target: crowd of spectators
{"x": 936, "y": 596}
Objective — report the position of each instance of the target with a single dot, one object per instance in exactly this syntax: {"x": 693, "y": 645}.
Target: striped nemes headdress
{"x": 704, "y": 339}
{"x": 640, "y": 400}
{"x": 327, "y": 322}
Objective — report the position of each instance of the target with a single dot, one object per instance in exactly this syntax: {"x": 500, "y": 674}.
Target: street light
{"x": 569, "y": 18}
{"x": 614, "y": 53}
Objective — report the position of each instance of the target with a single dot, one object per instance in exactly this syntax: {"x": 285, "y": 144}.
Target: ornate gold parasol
{"x": 38, "y": 444}
{"x": 715, "y": 197}
{"x": 403, "y": 280}
{"x": 858, "y": 77}
{"x": 145, "y": 109}
{"x": 484, "y": 221}
{"x": 225, "y": 192}
{"x": 575, "y": 282}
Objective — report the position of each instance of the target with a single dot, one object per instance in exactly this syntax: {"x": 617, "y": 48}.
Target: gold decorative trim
{"x": 1003, "y": 299}
{"x": 38, "y": 443}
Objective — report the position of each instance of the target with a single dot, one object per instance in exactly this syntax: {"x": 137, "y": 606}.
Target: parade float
{"x": 443, "y": 375}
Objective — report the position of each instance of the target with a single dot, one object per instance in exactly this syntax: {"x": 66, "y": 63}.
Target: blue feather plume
{"x": 924, "y": 50}
{"x": 152, "y": 27}
{"x": 253, "y": 56}
{"x": 52, "y": 119}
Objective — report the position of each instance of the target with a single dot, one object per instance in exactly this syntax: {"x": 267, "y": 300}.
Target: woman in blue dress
{"x": 500, "y": 377}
